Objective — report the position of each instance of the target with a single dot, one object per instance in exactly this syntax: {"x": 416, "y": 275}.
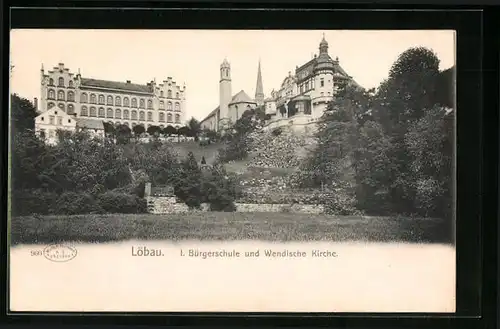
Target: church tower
{"x": 225, "y": 94}
{"x": 259, "y": 89}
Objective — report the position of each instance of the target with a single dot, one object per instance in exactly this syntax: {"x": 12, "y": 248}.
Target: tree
{"x": 188, "y": 187}
{"x": 123, "y": 134}
{"x": 23, "y": 114}
{"x": 409, "y": 89}
{"x": 154, "y": 130}
{"x": 138, "y": 130}
{"x": 169, "y": 130}
{"x": 182, "y": 131}
{"x": 109, "y": 129}
{"x": 219, "y": 189}
{"x": 194, "y": 128}
{"x": 430, "y": 140}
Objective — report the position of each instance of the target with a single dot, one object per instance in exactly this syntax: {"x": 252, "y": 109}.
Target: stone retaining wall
{"x": 168, "y": 205}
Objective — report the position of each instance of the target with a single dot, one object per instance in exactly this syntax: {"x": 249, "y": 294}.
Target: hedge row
{"x": 28, "y": 202}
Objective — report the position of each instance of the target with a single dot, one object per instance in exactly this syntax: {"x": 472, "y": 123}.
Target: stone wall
{"x": 168, "y": 205}
{"x": 165, "y": 205}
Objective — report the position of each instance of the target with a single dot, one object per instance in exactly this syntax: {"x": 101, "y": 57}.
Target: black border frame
{"x": 473, "y": 129}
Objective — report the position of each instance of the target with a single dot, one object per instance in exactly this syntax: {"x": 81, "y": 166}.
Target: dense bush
{"x": 32, "y": 201}
{"x": 75, "y": 203}
{"x": 116, "y": 202}
{"x": 219, "y": 189}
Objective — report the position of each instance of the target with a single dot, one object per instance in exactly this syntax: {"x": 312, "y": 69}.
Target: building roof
{"x": 116, "y": 85}
{"x": 241, "y": 97}
{"x": 89, "y": 123}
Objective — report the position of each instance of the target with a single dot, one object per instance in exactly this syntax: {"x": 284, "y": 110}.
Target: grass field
{"x": 226, "y": 226}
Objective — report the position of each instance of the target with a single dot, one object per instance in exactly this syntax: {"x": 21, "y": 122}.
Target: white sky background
{"x": 193, "y": 57}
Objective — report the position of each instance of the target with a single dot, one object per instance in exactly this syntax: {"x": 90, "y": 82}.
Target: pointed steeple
{"x": 259, "y": 89}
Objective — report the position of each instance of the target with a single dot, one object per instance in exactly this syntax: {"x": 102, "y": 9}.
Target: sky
{"x": 193, "y": 57}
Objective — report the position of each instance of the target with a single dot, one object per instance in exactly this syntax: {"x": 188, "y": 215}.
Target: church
{"x": 301, "y": 100}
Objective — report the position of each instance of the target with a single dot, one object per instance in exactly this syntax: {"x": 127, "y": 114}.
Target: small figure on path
{"x": 203, "y": 162}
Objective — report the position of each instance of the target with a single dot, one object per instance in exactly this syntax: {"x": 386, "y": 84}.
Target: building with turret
{"x": 159, "y": 104}
{"x": 300, "y": 101}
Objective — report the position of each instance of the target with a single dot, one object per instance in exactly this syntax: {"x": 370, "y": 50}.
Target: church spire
{"x": 259, "y": 89}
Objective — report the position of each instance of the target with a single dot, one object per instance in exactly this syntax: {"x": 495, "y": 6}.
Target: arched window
{"x": 61, "y": 82}
{"x": 125, "y": 102}
{"x": 162, "y": 105}
{"x": 84, "y": 112}
{"x": 169, "y": 106}
{"x": 169, "y": 117}
{"x": 60, "y": 95}
{"x": 177, "y": 107}
{"x": 109, "y": 113}
{"x": 50, "y": 105}
{"x": 109, "y": 100}
{"x": 118, "y": 114}
{"x": 83, "y": 98}
{"x": 177, "y": 118}
{"x": 169, "y": 94}
{"x": 177, "y": 95}
{"x": 125, "y": 114}
{"x": 61, "y": 106}
{"x": 101, "y": 112}
{"x": 150, "y": 116}
{"x": 161, "y": 93}
{"x": 71, "y": 109}
{"x": 93, "y": 99}
{"x": 150, "y": 104}
{"x": 101, "y": 99}
{"x": 118, "y": 101}
{"x": 51, "y": 94}
{"x": 141, "y": 103}
{"x": 134, "y": 115}
{"x": 51, "y": 82}
{"x": 93, "y": 112}
{"x": 134, "y": 102}
{"x": 162, "y": 117}
{"x": 71, "y": 96}
{"x": 141, "y": 116}
{"x": 71, "y": 83}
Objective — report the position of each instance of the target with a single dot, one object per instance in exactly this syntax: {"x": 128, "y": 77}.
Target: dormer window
{"x": 61, "y": 82}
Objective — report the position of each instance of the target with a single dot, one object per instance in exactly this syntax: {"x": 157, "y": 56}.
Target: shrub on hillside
{"x": 219, "y": 189}
{"x": 74, "y": 203}
{"x": 121, "y": 203}
{"x": 35, "y": 201}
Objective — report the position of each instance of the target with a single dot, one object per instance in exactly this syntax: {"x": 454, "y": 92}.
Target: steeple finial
{"x": 41, "y": 68}
{"x": 259, "y": 89}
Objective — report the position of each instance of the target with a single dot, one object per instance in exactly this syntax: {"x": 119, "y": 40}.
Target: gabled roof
{"x": 211, "y": 114}
{"x": 115, "y": 85}
{"x": 89, "y": 123}
{"x": 241, "y": 97}
{"x": 52, "y": 111}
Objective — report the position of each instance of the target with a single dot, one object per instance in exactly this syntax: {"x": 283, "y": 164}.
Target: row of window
{"x": 132, "y": 115}
{"x": 109, "y": 101}
{"x": 60, "y": 82}
{"x": 51, "y": 94}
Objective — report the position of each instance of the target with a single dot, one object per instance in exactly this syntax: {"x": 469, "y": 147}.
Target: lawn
{"x": 226, "y": 226}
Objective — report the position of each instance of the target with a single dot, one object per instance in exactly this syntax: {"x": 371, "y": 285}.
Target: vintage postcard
{"x": 232, "y": 171}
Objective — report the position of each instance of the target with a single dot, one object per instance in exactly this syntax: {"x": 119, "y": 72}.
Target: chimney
{"x": 35, "y": 103}
{"x": 128, "y": 81}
